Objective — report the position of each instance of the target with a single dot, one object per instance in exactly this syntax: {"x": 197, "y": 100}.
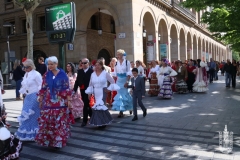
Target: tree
{"x": 28, "y": 6}
{"x": 222, "y": 19}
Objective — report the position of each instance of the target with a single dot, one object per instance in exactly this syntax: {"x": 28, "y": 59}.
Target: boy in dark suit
{"x": 138, "y": 87}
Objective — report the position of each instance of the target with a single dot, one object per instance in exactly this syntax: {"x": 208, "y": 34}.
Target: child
{"x": 138, "y": 87}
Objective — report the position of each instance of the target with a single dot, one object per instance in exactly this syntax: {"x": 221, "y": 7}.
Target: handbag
{"x": 92, "y": 101}
{"x": 4, "y": 132}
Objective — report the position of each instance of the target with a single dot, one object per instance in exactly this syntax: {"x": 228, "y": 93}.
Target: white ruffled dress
{"x": 100, "y": 115}
{"x": 200, "y": 84}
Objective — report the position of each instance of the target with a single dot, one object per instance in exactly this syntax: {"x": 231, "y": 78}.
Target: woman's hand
{"x": 89, "y": 97}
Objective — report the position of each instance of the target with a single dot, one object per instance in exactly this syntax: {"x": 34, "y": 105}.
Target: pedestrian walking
{"x": 123, "y": 100}
{"x": 82, "y": 82}
{"x": 228, "y": 73}
{"x": 18, "y": 74}
{"x": 77, "y": 103}
{"x": 234, "y": 73}
{"x": 54, "y": 100}
{"x": 181, "y": 77}
{"x": 200, "y": 84}
{"x": 28, "y": 120}
{"x": 154, "y": 87}
{"x": 41, "y": 67}
{"x": 212, "y": 68}
{"x": 191, "y": 76}
{"x": 138, "y": 93}
{"x": 165, "y": 81}
{"x": 100, "y": 114}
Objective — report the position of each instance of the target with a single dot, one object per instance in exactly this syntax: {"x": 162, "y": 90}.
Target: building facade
{"x": 146, "y": 29}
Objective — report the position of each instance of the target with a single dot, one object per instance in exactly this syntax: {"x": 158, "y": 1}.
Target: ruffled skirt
{"x": 54, "y": 127}
{"x": 181, "y": 86}
{"x": 166, "y": 89}
{"x": 123, "y": 99}
{"x": 28, "y": 122}
{"x": 100, "y": 118}
{"x": 200, "y": 86}
{"x": 77, "y": 106}
{"x": 154, "y": 87}
{"x": 10, "y": 148}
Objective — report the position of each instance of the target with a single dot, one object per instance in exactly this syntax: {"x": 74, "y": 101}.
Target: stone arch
{"x": 82, "y": 41}
{"x": 203, "y": 54}
{"x": 163, "y": 32}
{"x": 105, "y": 54}
{"x": 150, "y": 28}
{"x": 195, "y": 50}
{"x": 182, "y": 39}
{"x": 199, "y": 48}
{"x": 174, "y": 22}
{"x": 144, "y": 11}
{"x": 174, "y": 51}
{"x": 189, "y": 46}
{"x": 85, "y": 13}
{"x": 163, "y": 17}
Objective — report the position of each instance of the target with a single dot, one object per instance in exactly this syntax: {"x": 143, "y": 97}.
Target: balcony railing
{"x": 176, "y": 4}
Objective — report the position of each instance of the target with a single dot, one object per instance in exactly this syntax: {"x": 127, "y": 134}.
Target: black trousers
{"x": 211, "y": 74}
{"x": 87, "y": 111}
{"x": 234, "y": 80}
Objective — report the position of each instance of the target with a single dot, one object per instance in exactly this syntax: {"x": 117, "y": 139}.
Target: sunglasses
{"x": 84, "y": 62}
{"x": 26, "y": 67}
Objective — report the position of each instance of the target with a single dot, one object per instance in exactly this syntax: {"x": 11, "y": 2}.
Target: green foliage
{"x": 223, "y": 19}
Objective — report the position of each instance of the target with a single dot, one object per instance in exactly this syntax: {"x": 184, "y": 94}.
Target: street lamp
{"x": 144, "y": 33}
{"x": 159, "y": 37}
{"x": 8, "y": 25}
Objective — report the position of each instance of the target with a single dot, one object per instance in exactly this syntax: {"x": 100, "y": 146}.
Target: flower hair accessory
{"x": 165, "y": 60}
{"x": 24, "y": 59}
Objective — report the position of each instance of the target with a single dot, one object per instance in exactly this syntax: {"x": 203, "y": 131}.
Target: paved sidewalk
{"x": 185, "y": 127}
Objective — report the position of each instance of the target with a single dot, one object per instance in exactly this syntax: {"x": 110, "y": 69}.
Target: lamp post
{"x": 8, "y": 25}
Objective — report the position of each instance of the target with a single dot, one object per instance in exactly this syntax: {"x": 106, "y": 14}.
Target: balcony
{"x": 185, "y": 11}
{"x": 174, "y": 4}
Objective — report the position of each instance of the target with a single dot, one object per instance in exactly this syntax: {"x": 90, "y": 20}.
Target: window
{"x": 24, "y": 29}
{"x": 11, "y": 30}
{"x": 94, "y": 24}
{"x": 42, "y": 23}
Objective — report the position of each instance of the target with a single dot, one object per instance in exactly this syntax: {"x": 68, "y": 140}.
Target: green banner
{"x": 59, "y": 17}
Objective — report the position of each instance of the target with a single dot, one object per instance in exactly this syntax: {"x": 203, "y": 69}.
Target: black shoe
{"x": 101, "y": 127}
{"x": 130, "y": 112}
{"x": 120, "y": 115}
{"x": 83, "y": 124}
{"x": 145, "y": 113}
{"x": 135, "y": 118}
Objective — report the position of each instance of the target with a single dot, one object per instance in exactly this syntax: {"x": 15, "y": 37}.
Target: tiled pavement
{"x": 185, "y": 127}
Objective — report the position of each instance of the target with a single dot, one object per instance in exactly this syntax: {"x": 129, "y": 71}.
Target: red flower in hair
{"x": 94, "y": 62}
{"x": 24, "y": 59}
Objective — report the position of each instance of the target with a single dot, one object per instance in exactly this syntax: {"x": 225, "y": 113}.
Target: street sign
{"x": 61, "y": 22}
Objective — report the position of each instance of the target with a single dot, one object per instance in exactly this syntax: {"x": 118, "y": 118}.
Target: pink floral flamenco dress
{"x": 54, "y": 121}
{"x": 77, "y": 103}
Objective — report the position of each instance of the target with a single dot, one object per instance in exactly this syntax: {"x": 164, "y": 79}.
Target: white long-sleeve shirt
{"x": 152, "y": 70}
{"x": 32, "y": 82}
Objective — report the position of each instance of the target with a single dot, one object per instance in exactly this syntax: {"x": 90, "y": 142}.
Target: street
{"x": 185, "y": 127}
